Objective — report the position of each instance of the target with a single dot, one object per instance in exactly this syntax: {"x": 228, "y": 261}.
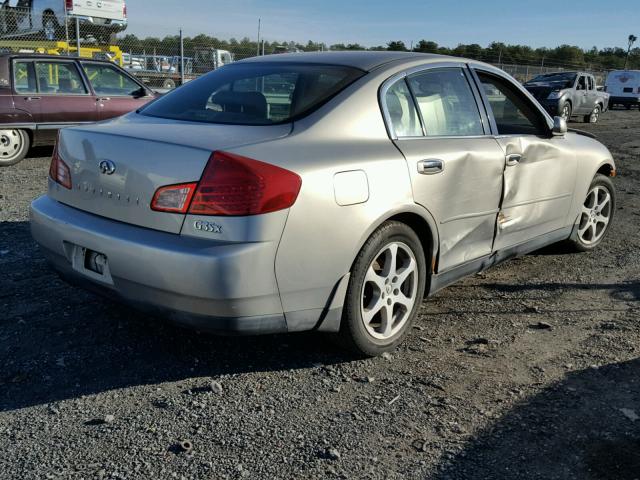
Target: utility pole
{"x": 632, "y": 39}
{"x": 258, "y": 43}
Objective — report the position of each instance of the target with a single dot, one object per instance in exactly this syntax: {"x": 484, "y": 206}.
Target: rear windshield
{"x": 254, "y": 93}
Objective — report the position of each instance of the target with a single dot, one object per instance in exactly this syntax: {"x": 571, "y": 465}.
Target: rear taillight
{"x": 58, "y": 170}
{"x": 69, "y": 5}
{"x": 173, "y": 198}
{"x": 124, "y": 10}
{"x": 232, "y": 185}
{"x": 236, "y": 185}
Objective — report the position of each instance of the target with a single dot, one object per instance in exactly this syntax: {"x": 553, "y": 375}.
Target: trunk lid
{"x": 147, "y": 153}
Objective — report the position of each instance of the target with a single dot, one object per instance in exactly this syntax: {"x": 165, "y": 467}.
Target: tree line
{"x": 496, "y": 52}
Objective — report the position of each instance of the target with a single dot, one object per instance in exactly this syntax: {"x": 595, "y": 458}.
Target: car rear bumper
{"x": 209, "y": 285}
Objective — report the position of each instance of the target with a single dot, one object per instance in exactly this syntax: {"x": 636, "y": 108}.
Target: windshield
{"x": 254, "y": 93}
{"x": 566, "y": 79}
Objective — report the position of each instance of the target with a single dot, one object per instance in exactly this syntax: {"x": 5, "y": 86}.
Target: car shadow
{"x": 59, "y": 342}
{"x": 583, "y": 427}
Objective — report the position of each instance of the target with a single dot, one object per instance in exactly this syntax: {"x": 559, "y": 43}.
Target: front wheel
{"x": 14, "y": 145}
{"x": 596, "y": 215}
{"x": 565, "y": 111}
{"x": 385, "y": 290}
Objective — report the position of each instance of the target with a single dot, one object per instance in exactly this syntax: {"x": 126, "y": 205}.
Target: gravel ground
{"x": 529, "y": 370}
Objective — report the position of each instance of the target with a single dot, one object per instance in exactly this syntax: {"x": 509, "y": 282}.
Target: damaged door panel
{"x": 538, "y": 187}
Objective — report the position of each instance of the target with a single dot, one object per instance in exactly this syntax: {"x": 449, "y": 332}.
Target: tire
{"x": 50, "y": 27}
{"x": 596, "y": 215}
{"x": 374, "y": 283}
{"x": 169, "y": 84}
{"x": 14, "y": 145}
{"x": 565, "y": 111}
{"x": 594, "y": 115}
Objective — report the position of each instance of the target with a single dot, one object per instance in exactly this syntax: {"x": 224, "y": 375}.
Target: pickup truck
{"x": 569, "y": 94}
{"x": 39, "y": 94}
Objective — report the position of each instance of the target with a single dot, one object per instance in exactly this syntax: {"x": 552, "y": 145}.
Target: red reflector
{"x": 234, "y": 185}
{"x": 58, "y": 170}
{"x": 173, "y": 198}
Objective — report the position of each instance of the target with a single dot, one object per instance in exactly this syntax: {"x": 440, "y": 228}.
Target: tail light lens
{"x": 173, "y": 198}
{"x": 124, "y": 10}
{"x": 236, "y": 185}
{"x": 58, "y": 170}
{"x": 69, "y": 5}
{"x": 232, "y": 185}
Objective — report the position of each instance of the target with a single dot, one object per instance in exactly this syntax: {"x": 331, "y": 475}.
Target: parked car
{"x": 624, "y": 88}
{"x": 390, "y": 176}
{"x": 41, "y": 93}
{"x": 101, "y": 19}
{"x": 569, "y": 94}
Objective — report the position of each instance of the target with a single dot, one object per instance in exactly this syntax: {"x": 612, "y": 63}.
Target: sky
{"x": 541, "y": 23}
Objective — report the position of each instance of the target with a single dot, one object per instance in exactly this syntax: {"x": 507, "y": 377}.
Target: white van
{"x": 623, "y": 86}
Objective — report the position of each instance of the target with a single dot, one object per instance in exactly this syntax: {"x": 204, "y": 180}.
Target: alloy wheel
{"x": 595, "y": 114}
{"x": 566, "y": 112}
{"x": 595, "y": 216}
{"x": 389, "y": 290}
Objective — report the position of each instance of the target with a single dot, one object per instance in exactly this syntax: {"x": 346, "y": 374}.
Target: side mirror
{"x": 141, "y": 92}
{"x": 559, "y": 126}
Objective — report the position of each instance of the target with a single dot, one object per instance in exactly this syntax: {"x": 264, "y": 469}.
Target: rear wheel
{"x": 14, "y": 145}
{"x": 596, "y": 215}
{"x": 50, "y": 26}
{"x": 385, "y": 290}
{"x": 169, "y": 84}
{"x": 593, "y": 116}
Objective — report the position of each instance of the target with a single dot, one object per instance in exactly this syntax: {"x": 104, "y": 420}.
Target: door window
{"x": 24, "y": 77}
{"x": 402, "y": 111}
{"x": 591, "y": 85}
{"x": 582, "y": 83}
{"x": 59, "y": 78}
{"x": 106, "y": 80}
{"x": 512, "y": 110}
{"x": 446, "y": 103}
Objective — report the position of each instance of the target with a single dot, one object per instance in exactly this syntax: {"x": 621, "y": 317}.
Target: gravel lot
{"x": 481, "y": 389}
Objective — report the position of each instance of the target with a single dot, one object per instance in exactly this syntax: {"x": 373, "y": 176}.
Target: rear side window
{"x": 254, "y": 93}
{"x": 446, "y": 103}
{"x": 402, "y": 111}
{"x": 59, "y": 78}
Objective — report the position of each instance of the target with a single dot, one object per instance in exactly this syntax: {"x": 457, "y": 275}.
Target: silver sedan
{"x": 321, "y": 191}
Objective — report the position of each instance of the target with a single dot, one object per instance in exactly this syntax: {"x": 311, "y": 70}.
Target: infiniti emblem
{"x": 107, "y": 167}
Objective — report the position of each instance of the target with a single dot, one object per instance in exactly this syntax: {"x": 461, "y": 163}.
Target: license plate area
{"x": 91, "y": 263}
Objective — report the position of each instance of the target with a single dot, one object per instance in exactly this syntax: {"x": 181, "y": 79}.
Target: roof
{"x": 44, "y": 55}
{"x": 364, "y": 60}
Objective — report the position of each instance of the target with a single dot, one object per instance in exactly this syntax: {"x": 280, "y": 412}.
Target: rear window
{"x": 254, "y": 93}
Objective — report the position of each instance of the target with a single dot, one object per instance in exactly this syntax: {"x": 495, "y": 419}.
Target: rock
{"x": 332, "y": 454}
{"x": 185, "y": 446}
{"x": 109, "y": 418}
{"x": 541, "y": 326}
{"x": 630, "y": 414}
{"x": 216, "y": 387}
{"x": 387, "y": 356}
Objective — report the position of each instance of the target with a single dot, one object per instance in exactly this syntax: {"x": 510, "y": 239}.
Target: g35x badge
{"x": 205, "y": 226}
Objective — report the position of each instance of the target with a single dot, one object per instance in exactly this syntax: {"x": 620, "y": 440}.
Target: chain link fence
{"x": 161, "y": 63}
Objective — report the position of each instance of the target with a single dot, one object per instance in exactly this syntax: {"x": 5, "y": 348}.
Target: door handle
{"x": 103, "y": 99}
{"x": 29, "y": 99}
{"x": 430, "y": 167}
{"x": 513, "y": 159}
